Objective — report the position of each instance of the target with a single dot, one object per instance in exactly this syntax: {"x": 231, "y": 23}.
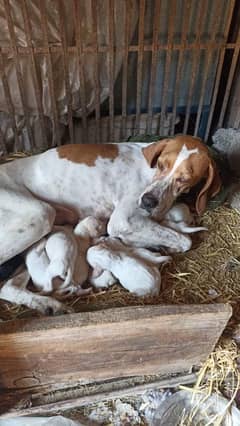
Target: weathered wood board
{"x": 101, "y": 345}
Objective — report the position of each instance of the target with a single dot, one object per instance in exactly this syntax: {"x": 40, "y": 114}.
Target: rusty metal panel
{"x": 80, "y": 58}
{"x": 126, "y": 18}
{"x": 167, "y": 58}
{"x": 18, "y": 69}
{"x": 65, "y": 69}
{"x": 96, "y": 71}
{"x": 43, "y": 12}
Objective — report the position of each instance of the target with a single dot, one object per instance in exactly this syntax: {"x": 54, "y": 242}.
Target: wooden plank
{"x": 101, "y": 345}
{"x": 41, "y": 404}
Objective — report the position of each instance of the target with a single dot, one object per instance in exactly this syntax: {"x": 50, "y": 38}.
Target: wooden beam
{"x": 100, "y": 345}
{"x": 31, "y": 405}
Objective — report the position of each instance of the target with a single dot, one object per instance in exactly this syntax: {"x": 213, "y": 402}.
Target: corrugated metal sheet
{"x": 63, "y": 62}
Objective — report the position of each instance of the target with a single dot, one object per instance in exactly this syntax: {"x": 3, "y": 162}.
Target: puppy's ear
{"x": 153, "y": 151}
{"x": 211, "y": 187}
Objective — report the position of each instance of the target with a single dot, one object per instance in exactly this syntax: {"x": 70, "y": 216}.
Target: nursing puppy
{"x": 57, "y": 264}
{"x": 136, "y": 269}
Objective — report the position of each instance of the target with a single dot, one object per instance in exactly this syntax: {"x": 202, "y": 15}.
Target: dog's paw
{"x": 49, "y": 306}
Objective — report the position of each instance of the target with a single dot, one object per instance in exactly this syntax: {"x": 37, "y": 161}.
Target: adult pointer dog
{"x": 128, "y": 184}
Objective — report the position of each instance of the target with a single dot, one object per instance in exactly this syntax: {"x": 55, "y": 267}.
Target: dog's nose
{"x": 148, "y": 202}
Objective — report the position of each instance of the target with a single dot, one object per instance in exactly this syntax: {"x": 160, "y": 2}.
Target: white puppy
{"x": 51, "y": 261}
{"x": 180, "y": 218}
{"x": 58, "y": 263}
{"x": 136, "y": 269}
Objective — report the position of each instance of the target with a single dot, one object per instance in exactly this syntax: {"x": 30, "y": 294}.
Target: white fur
{"x": 136, "y": 269}
{"x": 110, "y": 189}
{"x": 58, "y": 263}
{"x": 51, "y": 261}
{"x": 15, "y": 290}
{"x": 180, "y": 218}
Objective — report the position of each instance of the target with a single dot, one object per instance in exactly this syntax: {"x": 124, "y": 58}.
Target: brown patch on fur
{"x": 87, "y": 153}
{"x": 65, "y": 216}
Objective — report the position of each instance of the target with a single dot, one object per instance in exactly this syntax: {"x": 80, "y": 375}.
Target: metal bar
{"x": 209, "y": 54}
{"x": 202, "y": 12}
{"x": 3, "y": 148}
{"x": 229, "y": 81}
{"x": 36, "y": 83}
{"x": 96, "y": 71}
{"x": 65, "y": 68}
{"x": 80, "y": 56}
{"x": 43, "y": 13}
{"x": 139, "y": 65}
{"x": 9, "y": 102}
{"x": 153, "y": 64}
{"x": 111, "y": 66}
{"x": 25, "y": 51}
{"x": 167, "y": 69}
{"x": 236, "y": 124}
{"x": 18, "y": 70}
{"x": 125, "y": 66}
{"x": 219, "y": 70}
{"x": 184, "y": 31}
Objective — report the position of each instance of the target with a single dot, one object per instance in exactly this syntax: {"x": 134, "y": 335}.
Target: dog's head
{"x": 181, "y": 163}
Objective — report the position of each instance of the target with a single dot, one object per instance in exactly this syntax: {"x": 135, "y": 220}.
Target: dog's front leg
{"x": 15, "y": 291}
{"x": 141, "y": 231}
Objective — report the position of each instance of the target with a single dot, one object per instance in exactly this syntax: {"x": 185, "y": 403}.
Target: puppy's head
{"x": 181, "y": 164}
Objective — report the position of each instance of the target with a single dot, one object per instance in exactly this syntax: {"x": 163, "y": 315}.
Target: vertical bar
{"x": 2, "y": 143}
{"x": 230, "y": 79}
{"x": 167, "y": 69}
{"x": 153, "y": 64}
{"x": 43, "y": 13}
{"x": 209, "y": 54}
{"x": 9, "y": 103}
{"x": 184, "y": 31}
{"x": 140, "y": 65}
{"x": 36, "y": 83}
{"x": 127, "y": 16}
{"x": 80, "y": 56}
{"x": 96, "y": 71}
{"x": 18, "y": 70}
{"x": 219, "y": 70}
{"x": 202, "y": 11}
{"x": 111, "y": 66}
{"x": 64, "y": 46}
{"x": 236, "y": 124}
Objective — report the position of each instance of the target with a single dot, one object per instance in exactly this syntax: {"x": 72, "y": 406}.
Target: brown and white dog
{"x": 127, "y": 184}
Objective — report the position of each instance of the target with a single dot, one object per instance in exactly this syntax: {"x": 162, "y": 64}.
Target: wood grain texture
{"x": 101, "y": 345}
{"x": 25, "y": 403}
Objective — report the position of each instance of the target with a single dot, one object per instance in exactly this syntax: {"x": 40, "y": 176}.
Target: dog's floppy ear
{"x": 210, "y": 189}
{"x": 153, "y": 150}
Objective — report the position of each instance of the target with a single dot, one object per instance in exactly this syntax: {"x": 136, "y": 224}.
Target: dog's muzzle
{"x": 148, "y": 202}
